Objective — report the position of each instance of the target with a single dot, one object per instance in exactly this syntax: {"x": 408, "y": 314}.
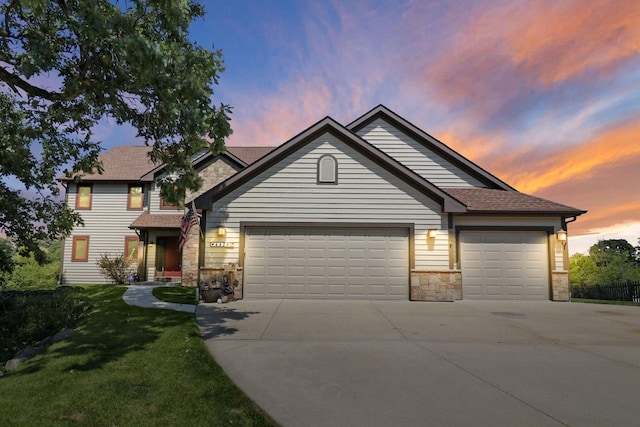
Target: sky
{"x": 543, "y": 94}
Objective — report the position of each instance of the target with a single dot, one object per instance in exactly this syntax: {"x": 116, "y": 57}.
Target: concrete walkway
{"x": 142, "y": 296}
{"x": 353, "y": 363}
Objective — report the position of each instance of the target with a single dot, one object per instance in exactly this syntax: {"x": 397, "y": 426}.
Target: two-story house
{"x": 374, "y": 209}
{"x": 123, "y": 213}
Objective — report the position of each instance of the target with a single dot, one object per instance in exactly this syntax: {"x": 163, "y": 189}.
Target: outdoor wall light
{"x": 431, "y": 233}
{"x": 561, "y": 236}
{"x": 222, "y": 231}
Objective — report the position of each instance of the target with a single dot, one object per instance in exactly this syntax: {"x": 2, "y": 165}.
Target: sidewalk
{"x": 142, "y": 296}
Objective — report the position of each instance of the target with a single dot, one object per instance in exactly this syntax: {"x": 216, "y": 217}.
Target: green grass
{"x": 126, "y": 366}
{"x": 601, "y": 301}
{"x": 177, "y": 294}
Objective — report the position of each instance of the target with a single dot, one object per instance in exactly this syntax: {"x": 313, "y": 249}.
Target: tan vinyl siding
{"x": 366, "y": 193}
{"x": 107, "y": 225}
{"x": 416, "y": 156}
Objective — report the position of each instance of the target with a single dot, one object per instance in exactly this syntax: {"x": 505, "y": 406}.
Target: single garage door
{"x": 355, "y": 263}
{"x": 504, "y": 265}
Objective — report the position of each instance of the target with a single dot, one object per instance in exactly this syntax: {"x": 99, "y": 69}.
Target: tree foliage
{"x": 605, "y": 251}
{"x": 36, "y": 269}
{"x": 66, "y": 65}
{"x": 609, "y": 261}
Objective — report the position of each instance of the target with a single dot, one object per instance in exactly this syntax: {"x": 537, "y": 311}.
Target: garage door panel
{"x": 327, "y": 263}
{"x": 504, "y": 265}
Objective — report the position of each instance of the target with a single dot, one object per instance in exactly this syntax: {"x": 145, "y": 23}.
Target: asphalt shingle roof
{"x": 495, "y": 201}
{"x": 123, "y": 163}
{"x": 131, "y": 162}
{"x": 146, "y": 220}
{"x": 249, "y": 154}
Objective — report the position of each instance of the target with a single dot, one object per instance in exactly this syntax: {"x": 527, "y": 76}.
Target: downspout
{"x": 145, "y": 256}
{"x": 64, "y": 239}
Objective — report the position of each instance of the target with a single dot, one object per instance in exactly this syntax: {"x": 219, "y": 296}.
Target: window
{"x": 131, "y": 248}
{"x": 166, "y": 205}
{"x": 83, "y": 196}
{"x": 136, "y": 197}
{"x": 80, "y": 249}
{"x": 327, "y": 170}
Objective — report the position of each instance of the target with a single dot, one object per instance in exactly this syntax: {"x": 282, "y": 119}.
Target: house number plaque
{"x": 221, "y": 245}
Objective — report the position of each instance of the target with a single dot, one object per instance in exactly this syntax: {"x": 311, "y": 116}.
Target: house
{"x": 123, "y": 213}
{"x": 374, "y": 209}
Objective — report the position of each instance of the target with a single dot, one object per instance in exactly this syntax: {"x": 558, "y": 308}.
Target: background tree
{"x": 605, "y": 251}
{"x": 66, "y": 65}
{"x": 609, "y": 261}
{"x": 582, "y": 270}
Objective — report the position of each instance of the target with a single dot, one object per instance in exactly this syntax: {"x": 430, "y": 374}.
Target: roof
{"x": 249, "y": 154}
{"x": 123, "y": 163}
{"x": 328, "y": 125}
{"x": 485, "y": 200}
{"x": 132, "y": 163}
{"x": 382, "y": 112}
{"x": 146, "y": 220}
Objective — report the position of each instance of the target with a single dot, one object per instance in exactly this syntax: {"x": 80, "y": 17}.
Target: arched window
{"x": 327, "y": 170}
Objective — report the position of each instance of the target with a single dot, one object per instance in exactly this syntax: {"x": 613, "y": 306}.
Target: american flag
{"x": 189, "y": 219}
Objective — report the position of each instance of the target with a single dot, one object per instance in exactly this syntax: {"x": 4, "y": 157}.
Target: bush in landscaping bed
{"x": 116, "y": 269}
{"x": 27, "y": 317}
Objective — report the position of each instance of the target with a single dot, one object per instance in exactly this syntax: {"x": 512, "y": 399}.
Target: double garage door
{"x": 358, "y": 263}
{"x": 504, "y": 265}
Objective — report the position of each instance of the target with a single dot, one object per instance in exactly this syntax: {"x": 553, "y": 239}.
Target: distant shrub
{"x": 116, "y": 269}
{"x": 31, "y": 270}
{"x": 27, "y": 317}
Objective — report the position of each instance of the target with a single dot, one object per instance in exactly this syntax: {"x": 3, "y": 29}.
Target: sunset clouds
{"x": 545, "y": 94}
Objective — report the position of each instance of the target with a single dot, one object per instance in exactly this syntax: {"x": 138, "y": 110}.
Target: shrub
{"x": 27, "y": 317}
{"x": 116, "y": 269}
{"x": 29, "y": 274}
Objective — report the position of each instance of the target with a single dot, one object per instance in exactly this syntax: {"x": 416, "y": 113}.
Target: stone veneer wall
{"x": 211, "y": 175}
{"x": 207, "y": 274}
{"x": 436, "y": 285}
{"x": 190, "y": 258}
{"x": 560, "y": 286}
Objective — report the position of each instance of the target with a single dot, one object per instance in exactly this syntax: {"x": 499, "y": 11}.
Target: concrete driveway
{"x": 354, "y": 363}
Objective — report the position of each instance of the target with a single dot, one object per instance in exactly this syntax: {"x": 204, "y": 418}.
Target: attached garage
{"x": 326, "y": 262}
{"x": 504, "y": 265}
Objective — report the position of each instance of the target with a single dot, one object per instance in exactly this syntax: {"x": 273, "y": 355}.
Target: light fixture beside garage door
{"x": 562, "y": 237}
{"x": 431, "y": 233}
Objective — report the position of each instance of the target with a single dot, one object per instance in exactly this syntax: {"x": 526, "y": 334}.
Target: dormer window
{"x": 327, "y": 170}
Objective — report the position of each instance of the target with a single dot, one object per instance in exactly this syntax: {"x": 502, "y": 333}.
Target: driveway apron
{"x": 352, "y": 363}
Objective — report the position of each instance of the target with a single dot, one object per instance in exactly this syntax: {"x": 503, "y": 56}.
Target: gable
{"x": 342, "y": 134}
{"x": 421, "y": 152}
{"x": 417, "y": 157}
{"x": 290, "y": 187}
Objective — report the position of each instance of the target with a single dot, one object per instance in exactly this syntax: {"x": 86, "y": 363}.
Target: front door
{"x": 168, "y": 257}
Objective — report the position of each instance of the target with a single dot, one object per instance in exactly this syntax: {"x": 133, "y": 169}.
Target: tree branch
{"x": 14, "y": 81}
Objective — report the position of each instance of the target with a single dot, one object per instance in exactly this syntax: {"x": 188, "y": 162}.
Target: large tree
{"x": 67, "y": 65}
{"x": 609, "y": 261}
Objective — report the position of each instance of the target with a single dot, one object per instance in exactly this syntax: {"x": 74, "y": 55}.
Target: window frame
{"x": 166, "y": 207}
{"x": 78, "y": 206}
{"x": 129, "y": 207}
{"x": 321, "y": 181}
{"x": 128, "y": 240}
{"x": 74, "y": 246}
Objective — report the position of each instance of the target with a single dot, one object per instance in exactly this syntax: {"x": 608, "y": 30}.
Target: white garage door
{"x": 326, "y": 263}
{"x": 504, "y": 265}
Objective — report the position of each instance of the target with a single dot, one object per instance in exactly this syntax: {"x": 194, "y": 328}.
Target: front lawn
{"x": 125, "y": 366}
{"x": 177, "y": 294}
